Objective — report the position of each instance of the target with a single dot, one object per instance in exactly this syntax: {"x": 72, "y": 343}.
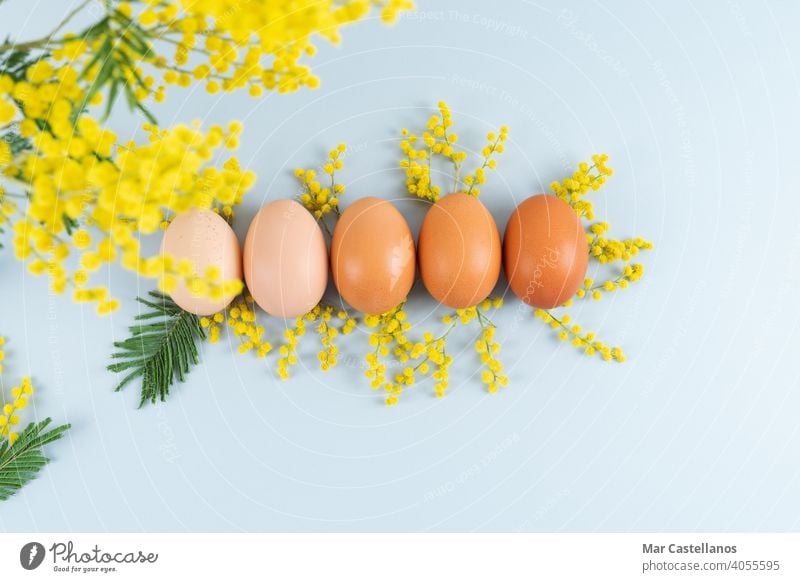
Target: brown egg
{"x": 459, "y": 251}
{"x": 372, "y": 256}
{"x": 207, "y": 240}
{"x": 545, "y": 253}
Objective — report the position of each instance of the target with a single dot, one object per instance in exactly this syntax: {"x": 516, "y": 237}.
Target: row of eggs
{"x": 373, "y": 257}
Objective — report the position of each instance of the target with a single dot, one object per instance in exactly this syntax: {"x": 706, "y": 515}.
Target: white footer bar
{"x": 402, "y": 557}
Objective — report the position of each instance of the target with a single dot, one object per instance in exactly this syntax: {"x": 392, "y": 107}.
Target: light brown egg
{"x": 285, "y": 259}
{"x": 373, "y": 256}
{"x": 545, "y": 253}
{"x": 459, "y": 251}
{"x": 204, "y": 238}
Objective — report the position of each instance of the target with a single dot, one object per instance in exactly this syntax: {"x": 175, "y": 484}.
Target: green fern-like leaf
{"x": 158, "y": 351}
{"x": 16, "y": 142}
{"x": 15, "y": 61}
{"x": 20, "y": 462}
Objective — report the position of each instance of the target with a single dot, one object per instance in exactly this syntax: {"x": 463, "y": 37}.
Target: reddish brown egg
{"x": 545, "y": 253}
{"x": 459, "y": 251}
{"x": 373, "y": 256}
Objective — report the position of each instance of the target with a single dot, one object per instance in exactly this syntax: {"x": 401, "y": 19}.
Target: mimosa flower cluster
{"x": 227, "y": 45}
{"x": 389, "y": 337}
{"x": 322, "y": 318}
{"x": 439, "y": 141}
{"x": 322, "y": 199}
{"x": 495, "y": 146}
{"x": 242, "y": 319}
{"x": 18, "y": 401}
{"x": 257, "y": 45}
{"x": 77, "y": 196}
{"x": 587, "y": 178}
{"x": 21, "y": 454}
{"x": 606, "y": 251}
{"x": 90, "y": 195}
{"x": 585, "y": 341}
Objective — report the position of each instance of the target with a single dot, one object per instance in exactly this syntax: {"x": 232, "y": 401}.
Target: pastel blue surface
{"x": 697, "y": 105}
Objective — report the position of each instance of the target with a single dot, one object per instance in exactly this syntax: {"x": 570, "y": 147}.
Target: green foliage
{"x": 20, "y": 462}
{"x": 115, "y": 66}
{"x": 16, "y": 61}
{"x": 158, "y": 351}
{"x": 16, "y": 142}
{"x": 70, "y": 224}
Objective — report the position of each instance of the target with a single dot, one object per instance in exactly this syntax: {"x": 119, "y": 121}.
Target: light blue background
{"x": 697, "y": 104}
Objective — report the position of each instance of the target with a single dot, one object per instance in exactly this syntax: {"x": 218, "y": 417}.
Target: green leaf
{"x": 134, "y": 104}
{"x": 162, "y": 347}
{"x": 20, "y": 462}
{"x": 107, "y": 65}
{"x": 16, "y": 142}
{"x": 146, "y": 112}
{"x": 112, "y": 97}
{"x": 114, "y": 66}
{"x": 15, "y": 62}
{"x": 102, "y": 56}
{"x": 96, "y": 29}
{"x": 134, "y": 36}
{"x": 69, "y": 223}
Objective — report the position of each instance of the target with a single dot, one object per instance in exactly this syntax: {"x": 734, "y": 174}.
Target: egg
{"x": 459, "y": 251}
{"x": 285, "y": 259}
{"x": 372, "y": 256}
{"x": 203, "y": 237}
{"x": 545, "y": 253}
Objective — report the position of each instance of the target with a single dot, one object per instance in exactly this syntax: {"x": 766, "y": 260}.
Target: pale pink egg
{"x": 203, "y": 237}
{"x": 285, "y": 259}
